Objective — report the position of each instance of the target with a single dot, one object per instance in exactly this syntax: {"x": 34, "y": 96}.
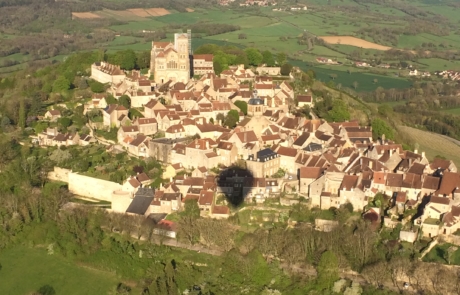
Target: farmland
{"x": 25, "y": 270}
{"x": 433, "y": 144}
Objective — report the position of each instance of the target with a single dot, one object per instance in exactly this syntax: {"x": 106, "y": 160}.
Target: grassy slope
{"x": 433, "y": 144}
{"x": 27, "y": 269}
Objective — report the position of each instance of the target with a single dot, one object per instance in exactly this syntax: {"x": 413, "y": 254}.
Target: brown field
{"x": 434, "y": 144}
{"x": 139, "y": 12}
{"x": 84, "y": 15}
{"x": 157, "y": 11}
{"x": 189, "y": 10}
{"x": 353, "y": 41}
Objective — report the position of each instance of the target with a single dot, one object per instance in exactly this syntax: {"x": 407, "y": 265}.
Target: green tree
{"x": 191, "y": 209}
{"x": 143, "y": 60}
{"x": 254, "y": 56}
{"x": 339, "y": 111}
{"x": 328, "y": 271}
{"x": 242, "y": 59}
{"x": 46, "y": 290}
{"x": 83, "y": 84}
{"x": 286, "y": 69}
{"x": 243, "y": 106}
{"x": 281, "y": 58}
{"x": 385, "y": 110}
{"x": 267, "y": 58}
{"x": 218, "y": 68}
{"x": 64, "y": 122}
{"x": 22, "y": 114}
{"x": 380, "y": 127}
{"x": 96, "y": 87}
{"x": 61, "y": 84}
{"x": 232, "y": 118}
{"x": 125, "y": 101}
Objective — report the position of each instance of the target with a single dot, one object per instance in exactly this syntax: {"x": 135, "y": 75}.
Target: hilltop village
{"x": 182, "y": 107}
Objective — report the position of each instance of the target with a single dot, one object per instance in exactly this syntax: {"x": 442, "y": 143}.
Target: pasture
{"x": 433, "y": 144}
{"x": 25, "y": 270}
{"x": 365, "y": 80}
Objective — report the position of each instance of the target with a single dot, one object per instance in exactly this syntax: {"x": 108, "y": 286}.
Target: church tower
{"x": 171, "y": 61}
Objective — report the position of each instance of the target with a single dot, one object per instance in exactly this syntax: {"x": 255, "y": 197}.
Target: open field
{"x": 139, "y": 12}
{"x": 24, "y": 270}
{"x": 455, "y": 111}
{"x": 365, "y": 80}
{"x": 353, "y": 41}
{"x": 433, "y": 144}
{"x": 85, "y": 15}
{"x": 157, "y": 11}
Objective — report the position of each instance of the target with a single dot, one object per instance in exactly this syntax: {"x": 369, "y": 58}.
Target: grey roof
{"x": 311, "y": 147}
{"x": 139, "y": 205}
{"x": 264, "y": 155}
{"x": 255, "y": 101}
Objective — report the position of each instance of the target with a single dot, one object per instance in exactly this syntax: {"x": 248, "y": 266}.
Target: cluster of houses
{"x": 258, "y": 3}
{"x": 449, "y": 74}
{"x": 330, "y": 163}
{"x": 324, "y": 60}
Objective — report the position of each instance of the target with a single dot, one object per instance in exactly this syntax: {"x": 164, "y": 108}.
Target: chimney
{"x": 391, "y": 152}
{"x": 207, "y": 144}
{"x": 423, "y": 154}
{"x": 371, "y": 164}
{"x": 245, "y": 136}
{"x": 161, "y": 185}
{"x": 415, "y": 151}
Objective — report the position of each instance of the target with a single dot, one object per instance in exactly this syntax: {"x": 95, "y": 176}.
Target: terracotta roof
{"x": 304, "y": 98}
{"x": 440, "y": 163}
{"x": 450, "y": 181}
{"x": 349, "y": 182}
{"x": 417, "y": 168}
{"x": 206, "y": 198}
{"x": 247, "y": 136}
{"x": 138, "y": 140}
{"x": 142, "y": 177}
{"x": 206, "y": 57}
{"x": 134, "y": 182}
{"x": 220, "y": 210}
{"x": 431, "y": 182}
{"x": 285, "y": 151}
{"x": 440, "y": 200}
{"x": 401, "y": 197}
{"x": 379, "y": 177}
{"x": 300, "y": 141}
{"x": 144, "y": 121}
{"x": 394, "y": 180}
{"x": 412, "y": 180}
{"x": 161, "y": 44}
{"x": 310, "y": 172}
{"x": 129, "y": 129}
{"x": 55, "y": 112}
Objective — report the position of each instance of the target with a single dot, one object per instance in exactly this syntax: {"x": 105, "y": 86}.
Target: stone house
{"x": 227, "y": 152}
{"x": 126, "y": 131}
{"x": 114, "y": 114}
{"x": 306, "y": 176}
{"x": 200, "y": 172}
{"x": 351, "y": 192}
{"x": 139, "y": 146}
{"x": 147, "y": 126}
{"x": 152, "y": 107}
{"x": 287, "y": 158}
{"x": 165, "y": 202}
{"x": 104, "y": 72}
{"x": 203, "y": 64}
{"x": 264, "y": 163}
{"x": 171, "y": 170}
{"x": 304, "y": 100}
{"x": 52, "y": 115}
{"x": 272, "y": 71}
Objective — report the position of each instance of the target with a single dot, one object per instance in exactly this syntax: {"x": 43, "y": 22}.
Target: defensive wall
{"x": 85, "y": 186}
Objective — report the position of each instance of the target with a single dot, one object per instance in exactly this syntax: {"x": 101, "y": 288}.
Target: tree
{"x": 333, "y": 76}
{"x": 339, "y": 111}
{"x": 64, "y": 122}
{"x": 143, "y": 60}
{"x": 61, "y": 84}
{"x": 254, "y": 56}
{"x": 46, "y": 290}
{"x": 328, "y": 270}
{"x": 191, "y": 209}
{"x": 281, "y": 58}
{"x": 268, "y": 59}
{"x": 243, "y": 106}
{"x": 232, "y": 119}
{"x": 22, "y": 114}
{"x": 128, "y": 59}
{"x": 83, "y": 84}
{"x": 218, "y": 68}
{"x": 286, "y": 69}
{"x": 242, "y": 59}
{"x": 96, "y": 87}
{"x": 125, "y": 101}
{"x": 355, "y": 85}
{"x": 380, "y": 127}
{"x": 242, "y": 36}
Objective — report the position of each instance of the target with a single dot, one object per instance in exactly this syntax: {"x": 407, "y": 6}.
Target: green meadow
{"x": 25, "y": 270}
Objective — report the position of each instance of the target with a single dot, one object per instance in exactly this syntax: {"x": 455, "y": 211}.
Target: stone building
{"x": 171, "y": 61}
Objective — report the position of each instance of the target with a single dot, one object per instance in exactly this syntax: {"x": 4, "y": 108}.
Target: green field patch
{"x": 139, "y": 26}
{"x": 433, "y": 64}
{"x": 365, "y": 80}
{"x": 25, "y": 270}
{"x": 455, "y": 111}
